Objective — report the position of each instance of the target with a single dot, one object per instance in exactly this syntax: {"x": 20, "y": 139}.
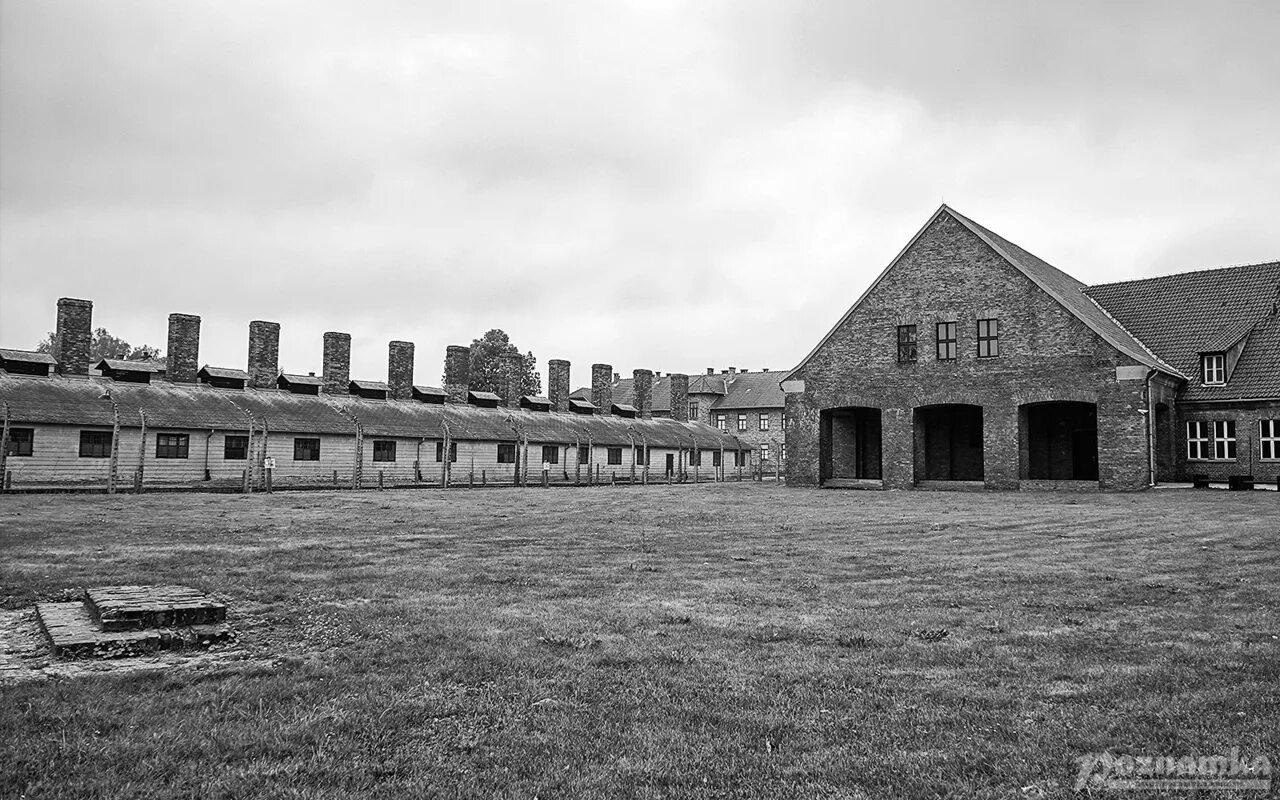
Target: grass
{"x": 726, "y": 640}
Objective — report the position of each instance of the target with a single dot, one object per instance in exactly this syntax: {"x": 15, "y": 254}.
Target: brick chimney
{"x": 264, "y": 354}
{"x": 184, "y": 348}
{"x": 457, "y": 372}
{"x": 511, "y": 380}
{"x": 337, "y": 363}
{"x": 643, "y": 383}
{"x": 679, "y": 397}
{"x": 74, "y": 336}
{"x": 558, "y": 384}
{"x": 400, "y": 370}
{"x": 711, "y": 370}
{"x": 602, "y": 387}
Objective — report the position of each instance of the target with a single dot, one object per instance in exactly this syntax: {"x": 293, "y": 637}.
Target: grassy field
{"x": 726, "y": 640}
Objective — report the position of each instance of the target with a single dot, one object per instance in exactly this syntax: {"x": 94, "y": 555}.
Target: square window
{"x": 764, "y": 422}
{"x": 615, "y": 456}
{"x": 1197, "y": 440}
{"x": 506, "y": 454}
{"x": 906, "y": 344}
{"x": 235, "y": 448}
{"x": 21, "y": 441}
{"x": 946, "y": 341}
{"x": 95, "y": 444}
{"x": 306, "y": 449}
{"x": 1269, "y": 438}
{"x": 384, "y": 450}
{"x": 988, "y": 338}
{"x": 550, "y": 454}
{"x": 1214, "y": 369}
{"x": 642, "y": 456}
{"x": 172, "y": 445}
{"x": 453, "y": 452}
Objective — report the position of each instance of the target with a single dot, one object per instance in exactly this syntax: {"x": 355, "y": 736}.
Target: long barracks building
{"x": 970, "y": 362}
{"x": 178, "y": 423}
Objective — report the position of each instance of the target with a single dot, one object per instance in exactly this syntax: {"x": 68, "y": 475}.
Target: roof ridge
{"x": 1165, "y": 276}
{"x": 1164, "y": 364}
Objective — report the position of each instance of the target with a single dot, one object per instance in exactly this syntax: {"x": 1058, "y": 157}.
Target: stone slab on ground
{"x": 124, "y": 608}
{"x": 72, "y": 631}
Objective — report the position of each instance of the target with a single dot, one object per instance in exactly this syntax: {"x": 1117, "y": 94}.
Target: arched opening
{"x": 948, "y": 443}
{"x": 1059, "y": 441}
{"x": 850, "y": 443}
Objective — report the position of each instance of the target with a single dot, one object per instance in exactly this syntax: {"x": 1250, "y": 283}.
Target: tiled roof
{"x": 1181, "y": 316}
{"x": 29, "y": 356}
{"x": 122, "y": 365}
{"x": 198, "y": 406}
{"x": 224, "y": 372}
{"x": 301, "y": 380}
{"x": 753, "y": 390}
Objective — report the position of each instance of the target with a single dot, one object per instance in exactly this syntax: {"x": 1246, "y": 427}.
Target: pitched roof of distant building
{"x": 1183, "y": 315}
{"x": 224, "y": 372}
{"x": 29, "y": 356}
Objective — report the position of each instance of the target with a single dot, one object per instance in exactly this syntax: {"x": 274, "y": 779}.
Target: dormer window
{"x": 1214, "y": 369}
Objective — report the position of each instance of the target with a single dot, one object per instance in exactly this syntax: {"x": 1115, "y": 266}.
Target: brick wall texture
{"x": 558, "y": 384}
{"x": 643, "y": 381}
{"x": 73, "y": 337}
{"x": 1046, "y": 354}
{"x": 602, "y": 387}
{"x": 400, "y": 370}
{"x": 264, "y": 354}
{"x": 337, "y": 363}
{"x": 184, "y": 348}
{"x": 457, "y": 372}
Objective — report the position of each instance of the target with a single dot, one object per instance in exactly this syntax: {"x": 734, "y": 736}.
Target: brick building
{"x": 971, "y": 362}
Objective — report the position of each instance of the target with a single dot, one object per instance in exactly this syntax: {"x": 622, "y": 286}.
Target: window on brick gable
{"x": 721, "y": 422}
{"x": 906, "y": 344}
{"x": 693, "y": 410}
{"x": 1214, "y": 369}
{"x": 946, "y": 332}
{"x": 988, "y": 338}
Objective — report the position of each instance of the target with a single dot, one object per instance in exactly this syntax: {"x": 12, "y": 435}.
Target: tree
{"x": 103, "y": 345}
{"x": 489, "y": 358}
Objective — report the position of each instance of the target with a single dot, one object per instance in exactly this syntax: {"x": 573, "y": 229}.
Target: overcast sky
{"x": 648, "y": 184}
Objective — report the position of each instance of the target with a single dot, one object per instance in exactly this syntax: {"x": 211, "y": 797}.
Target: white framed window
{"x": 1197, "y": 440}
{"x": 742, "y": 422}
{"x": 764, "y": 452}
{"x": 720, "y": 422}
{"x": 693, "y": 410}
{"x": 764, "y": 422}
{"x": 1269, "y": 438}
{"x": 1224, "y": 439}
{"x": 1214, "y": 369}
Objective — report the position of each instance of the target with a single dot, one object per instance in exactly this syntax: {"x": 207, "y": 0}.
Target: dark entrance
{"x": 1061, "y": 441}
{"x": 1166, "y": 456}
{"x": 949, "y": 443}
{"x": 850, "y": 443}
{"x": 671, "y": 464}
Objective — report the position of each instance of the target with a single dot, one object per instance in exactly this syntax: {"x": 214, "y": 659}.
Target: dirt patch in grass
{"x": 731, "y": 640}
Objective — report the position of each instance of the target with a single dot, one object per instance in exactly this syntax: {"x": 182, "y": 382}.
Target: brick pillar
{"x": 74, "y": 336}
{"x": 643, "y": 383}
{"x": 264, "y": 354}
{"x": 511, "y": 380}
{"x": 558, "y": 384}
{"x": 337, "y": 363}
{"x": 400, "y": 370}
{"x": 679, "y": 397}
{"x": 602, "y": 387}
{"x": 184, "y": 348}
{"x": 457, "y": 372}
